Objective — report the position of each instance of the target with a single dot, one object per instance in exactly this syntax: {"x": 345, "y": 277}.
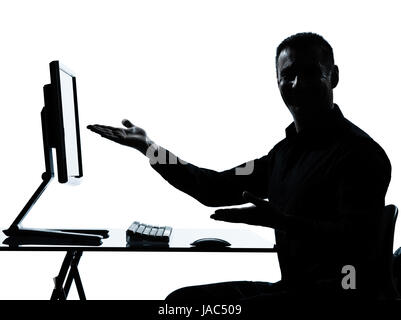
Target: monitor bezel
{"x": 63, "y": 177}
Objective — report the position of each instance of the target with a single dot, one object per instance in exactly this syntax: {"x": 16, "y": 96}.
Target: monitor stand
{"x": 20, "y": 235}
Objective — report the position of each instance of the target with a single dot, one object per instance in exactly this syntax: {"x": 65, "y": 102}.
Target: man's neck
{"x": 306, "y": 123}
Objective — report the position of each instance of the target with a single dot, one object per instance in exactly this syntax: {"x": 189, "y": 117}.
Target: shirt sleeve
{"x": 363, "y": 178}
{"x": 213, "y": 188}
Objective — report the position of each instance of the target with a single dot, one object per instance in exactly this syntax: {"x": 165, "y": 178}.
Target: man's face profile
{"x": 306, "y": 81}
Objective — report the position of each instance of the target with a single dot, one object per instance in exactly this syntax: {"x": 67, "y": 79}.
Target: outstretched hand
{"x": 131, "y": 136}
{"x": 262, "y": 213}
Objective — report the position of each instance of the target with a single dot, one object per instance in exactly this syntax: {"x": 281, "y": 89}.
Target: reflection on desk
{"x": 180, "y": 240}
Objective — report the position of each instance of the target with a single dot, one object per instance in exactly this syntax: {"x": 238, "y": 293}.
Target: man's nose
{"x": 295, "y": 82}
{"x": 300, "y": 81}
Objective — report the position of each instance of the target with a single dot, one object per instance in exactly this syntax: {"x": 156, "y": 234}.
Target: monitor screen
{"x": 68, "y": 150}
{"x": 69, "y": 121}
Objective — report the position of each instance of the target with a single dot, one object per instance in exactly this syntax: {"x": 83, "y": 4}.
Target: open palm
{"x": 131, "y": 136}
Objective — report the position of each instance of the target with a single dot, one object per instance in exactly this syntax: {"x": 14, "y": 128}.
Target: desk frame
{"x": 70, "y": 266}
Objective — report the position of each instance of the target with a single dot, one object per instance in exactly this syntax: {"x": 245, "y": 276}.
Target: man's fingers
{"x": 107, "y": 134}
{"x": 101, "y": 130}
{"x": 100, "y": 126}
{"x": 250, "y": 215}
{"x": 110, "y": 133}
{"x": 110, "y": 130}
{"x": 105, "y": 127}
{"x": 259, "y": 202}
{"x": 110, "y": 137}
{"x": 227, "y": 215}
{"x": 234, "y": 214}
{"x": 126, "y": 123}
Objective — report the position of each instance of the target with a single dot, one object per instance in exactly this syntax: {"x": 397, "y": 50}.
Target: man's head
{"x": 306, "y": 75}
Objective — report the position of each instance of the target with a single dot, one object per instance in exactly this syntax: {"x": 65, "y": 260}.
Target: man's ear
{"x": 334, "y": 76}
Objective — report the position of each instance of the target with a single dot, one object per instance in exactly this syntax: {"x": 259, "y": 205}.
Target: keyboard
{"x": 140, "y": 232}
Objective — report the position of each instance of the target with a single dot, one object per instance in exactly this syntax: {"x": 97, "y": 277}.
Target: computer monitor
{"x": 63, "y": 121}
{"x": 60, "y": 129}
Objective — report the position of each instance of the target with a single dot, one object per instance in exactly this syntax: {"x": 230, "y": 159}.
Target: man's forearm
{"x": 209, "y": 187}
{"x": 159, "y": 155}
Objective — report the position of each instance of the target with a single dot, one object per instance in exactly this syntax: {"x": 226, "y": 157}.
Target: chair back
{"x": 387, "y": 289}
{"x": 397, "y": 270}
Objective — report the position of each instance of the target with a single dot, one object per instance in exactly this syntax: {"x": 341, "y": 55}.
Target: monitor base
{"x": 20, "y": 236}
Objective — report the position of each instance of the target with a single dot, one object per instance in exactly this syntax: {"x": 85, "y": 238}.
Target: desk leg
{"x": 70, "y": 266}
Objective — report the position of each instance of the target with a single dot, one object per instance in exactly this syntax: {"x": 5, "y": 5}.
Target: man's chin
{"x": 305, "y": 107}
{"x": 300, "y": 109}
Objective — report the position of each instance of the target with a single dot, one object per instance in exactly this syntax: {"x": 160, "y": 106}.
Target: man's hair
{"x": 307, "y": 40}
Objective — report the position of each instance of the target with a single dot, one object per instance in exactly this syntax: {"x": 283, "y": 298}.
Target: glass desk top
{"x": 180, "y": 240}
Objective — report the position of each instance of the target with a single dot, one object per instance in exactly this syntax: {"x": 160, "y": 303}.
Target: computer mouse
{"x": 210, "y": 243}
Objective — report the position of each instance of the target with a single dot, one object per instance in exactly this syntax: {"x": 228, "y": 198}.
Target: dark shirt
{"x": 329, "y": 182}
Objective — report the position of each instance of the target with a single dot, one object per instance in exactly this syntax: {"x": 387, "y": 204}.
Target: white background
{"x": 199, "y": 76}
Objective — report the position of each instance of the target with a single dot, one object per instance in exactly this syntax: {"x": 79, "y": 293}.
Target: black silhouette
{"x": 325, "y": 182}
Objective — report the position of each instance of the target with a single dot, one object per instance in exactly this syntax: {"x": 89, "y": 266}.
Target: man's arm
{"x": 213, "y": 188}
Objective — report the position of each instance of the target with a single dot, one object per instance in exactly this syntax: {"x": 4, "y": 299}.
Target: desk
{"x": 180, "y": 240}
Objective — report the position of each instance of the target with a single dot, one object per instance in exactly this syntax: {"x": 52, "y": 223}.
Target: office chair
{"x": 397, "y": 270}
{"x": 385, "y": 258}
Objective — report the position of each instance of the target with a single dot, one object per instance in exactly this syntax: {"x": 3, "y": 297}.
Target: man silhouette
{"x": 325, "y": 183}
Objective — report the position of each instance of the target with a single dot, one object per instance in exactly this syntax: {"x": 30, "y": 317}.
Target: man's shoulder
{"x": 354, "y": 132}
{"x": 279, "y": 146}
{"x": 358, "y": 143}
{"x": 357, "y": 139}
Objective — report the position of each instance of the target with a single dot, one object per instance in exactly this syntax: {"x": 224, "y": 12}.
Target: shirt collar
{"x": 333, "y": 121}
